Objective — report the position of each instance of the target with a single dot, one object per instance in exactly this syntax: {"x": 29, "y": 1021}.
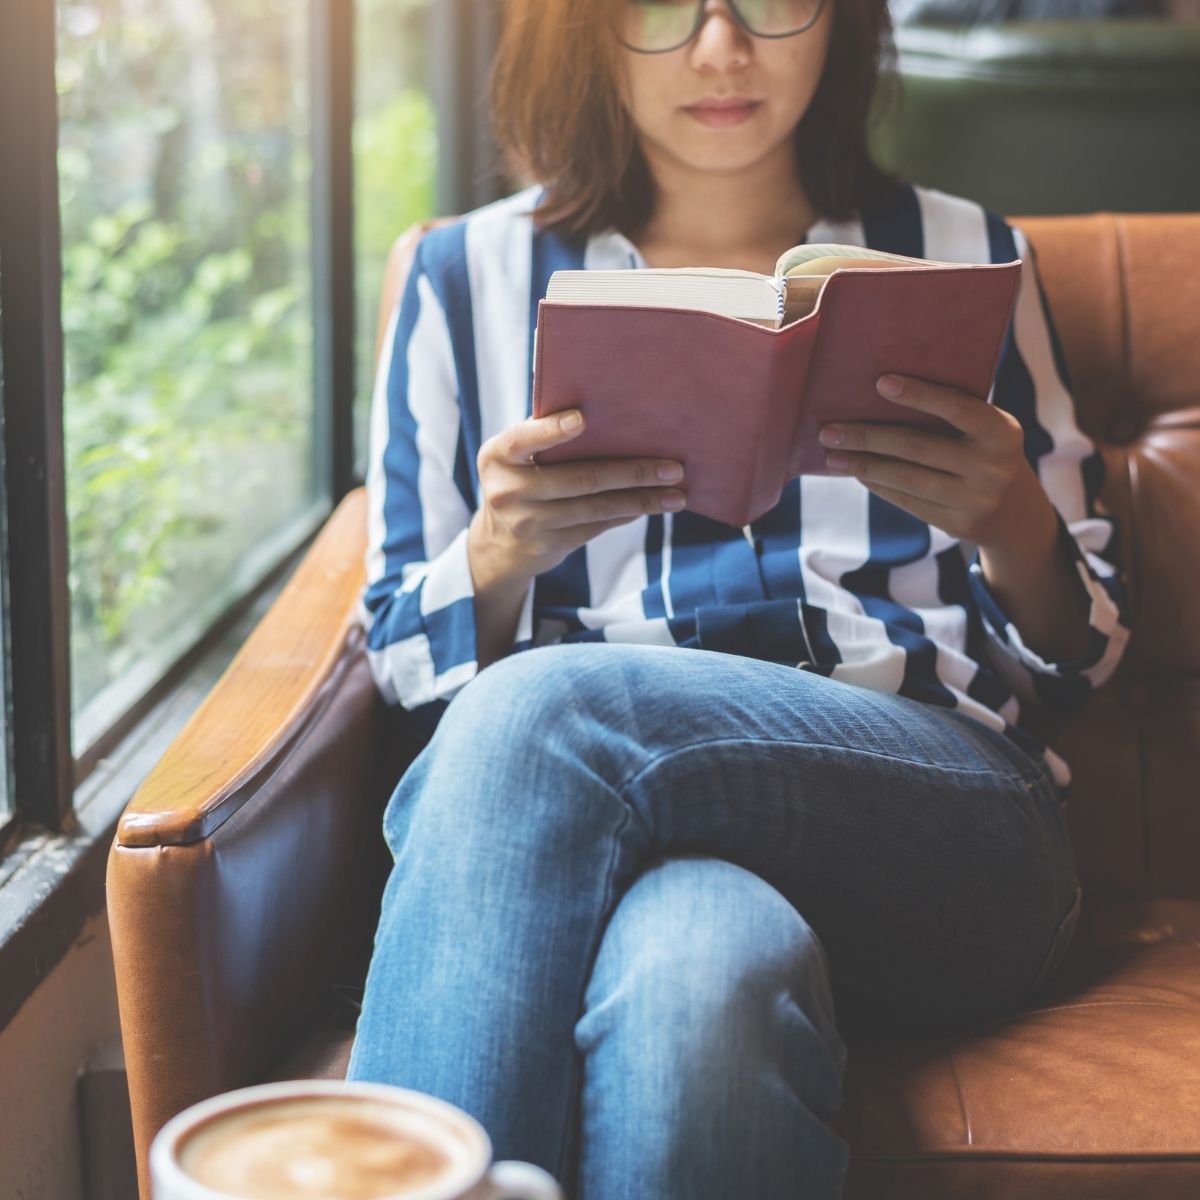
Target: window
{"x": 184, "y": 180}
{"x": 179, "y": 339}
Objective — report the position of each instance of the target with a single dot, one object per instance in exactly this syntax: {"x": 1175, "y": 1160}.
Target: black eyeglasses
{"x": 655, "y": 26}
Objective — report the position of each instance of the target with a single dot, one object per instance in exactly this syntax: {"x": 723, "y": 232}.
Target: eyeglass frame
{"x": 737, "y": 16}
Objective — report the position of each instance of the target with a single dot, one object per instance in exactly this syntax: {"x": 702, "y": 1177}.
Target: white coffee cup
{"x": 470, "y": 1173}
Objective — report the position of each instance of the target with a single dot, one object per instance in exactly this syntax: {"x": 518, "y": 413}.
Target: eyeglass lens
{"x": 667, "y": 24}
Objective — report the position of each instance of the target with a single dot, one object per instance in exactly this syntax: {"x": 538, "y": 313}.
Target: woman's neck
{"x": 745, "y": 218}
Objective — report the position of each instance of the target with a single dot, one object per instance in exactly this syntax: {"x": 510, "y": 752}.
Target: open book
{"x": 732, "y": 373}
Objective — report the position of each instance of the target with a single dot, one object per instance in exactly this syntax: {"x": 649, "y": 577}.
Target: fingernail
{"x": 837, "y": 462}
{"x": 673, "y": 501}
{"x": 890, "y": 385}
{"x": 670, "y": 472}
{"x": 571, "y": 422}
{"x": 832, "y": 435}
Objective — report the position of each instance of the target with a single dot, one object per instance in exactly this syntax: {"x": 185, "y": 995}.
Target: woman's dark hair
{"x": 558, "y": 118}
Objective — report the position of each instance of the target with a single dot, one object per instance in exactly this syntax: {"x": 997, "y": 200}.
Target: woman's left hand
{"x": 977, "y": 485}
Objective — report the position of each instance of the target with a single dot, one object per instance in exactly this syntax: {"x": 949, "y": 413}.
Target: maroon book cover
{"x": 740, "y": 404}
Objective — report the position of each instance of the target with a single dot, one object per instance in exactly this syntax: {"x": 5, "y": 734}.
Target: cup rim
{"x": 457, "y": 1184}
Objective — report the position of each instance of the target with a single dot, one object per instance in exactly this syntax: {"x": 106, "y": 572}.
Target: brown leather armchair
{"x": 244, "y": 880}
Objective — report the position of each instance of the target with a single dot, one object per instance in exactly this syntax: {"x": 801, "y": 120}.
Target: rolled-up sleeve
{"x": 1033, "y": 384}
{"x": 418, "y": 605}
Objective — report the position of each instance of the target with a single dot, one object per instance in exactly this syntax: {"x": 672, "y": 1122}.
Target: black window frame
{"x": 30, "y": 290}
{"x": 45, "y": 775}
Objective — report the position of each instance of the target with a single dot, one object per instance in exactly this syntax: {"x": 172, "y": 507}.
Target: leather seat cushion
{"x": 1069, "y": 1093}
{"x": 1093, "y": 1090}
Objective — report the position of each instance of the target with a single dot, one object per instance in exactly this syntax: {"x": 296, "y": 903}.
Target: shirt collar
{"x": 613, "y": 247}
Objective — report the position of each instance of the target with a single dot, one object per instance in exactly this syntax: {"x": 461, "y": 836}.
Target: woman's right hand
{"x": 531, "y": 516}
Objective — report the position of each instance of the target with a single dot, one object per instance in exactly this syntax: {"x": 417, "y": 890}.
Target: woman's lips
{"x": 733, "y": 115}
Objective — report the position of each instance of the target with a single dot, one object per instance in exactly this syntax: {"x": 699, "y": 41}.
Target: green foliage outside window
{"x": 185, "y": 183}
{"x": 178, "y": 354}
{"x": 184, "y": 179}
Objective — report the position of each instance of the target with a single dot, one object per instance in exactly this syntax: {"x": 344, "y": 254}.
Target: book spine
{"x": 1014, "y": 284}
{"x": 539, "y": 344}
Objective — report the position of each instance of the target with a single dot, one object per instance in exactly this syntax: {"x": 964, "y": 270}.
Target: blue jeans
{"x": 629, "y": 881}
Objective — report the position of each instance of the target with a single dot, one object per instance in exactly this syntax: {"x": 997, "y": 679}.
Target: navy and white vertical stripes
{"x": 833, "y": 579}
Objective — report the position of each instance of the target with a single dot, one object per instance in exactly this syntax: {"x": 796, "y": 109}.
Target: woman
{"x": 711, "y": 778}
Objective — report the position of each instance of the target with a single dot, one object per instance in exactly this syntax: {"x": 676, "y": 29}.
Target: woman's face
{"x": 723, "y": 61}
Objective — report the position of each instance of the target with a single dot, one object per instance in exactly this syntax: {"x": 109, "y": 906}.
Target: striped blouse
{"x": 833, "y": 579}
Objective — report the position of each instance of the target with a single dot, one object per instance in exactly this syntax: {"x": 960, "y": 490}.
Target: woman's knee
{"x": 518, "y": 709}
{"x": 705, "y": 964}
{"x": 522, "y": 746}
{"x": 550, "y": 708}
{"x": 529, "y": 696}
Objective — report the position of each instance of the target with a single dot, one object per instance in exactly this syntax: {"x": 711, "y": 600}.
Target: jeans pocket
{"x": 1059, "y": 945}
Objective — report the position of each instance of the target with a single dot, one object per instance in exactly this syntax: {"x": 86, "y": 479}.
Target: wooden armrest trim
{"x": 279, "y": 683}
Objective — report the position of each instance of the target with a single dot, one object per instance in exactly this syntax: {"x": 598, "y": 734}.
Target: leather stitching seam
{"x": 962, "y": 1100}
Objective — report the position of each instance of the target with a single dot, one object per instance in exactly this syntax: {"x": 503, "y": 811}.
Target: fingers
{"x": 604, "y": 487}
{"x": 572, "y": 493}
{"x": 619, "y": 505}
{"x": 895, "y": 441}
{"x": 514, "y": 447}
{"x": 585, "y": 478}
{"x": 968, "y": 414}
{"x": 517, "y": 444}
{"x": 538, "y": 513}
{"x": 896, "y": 474}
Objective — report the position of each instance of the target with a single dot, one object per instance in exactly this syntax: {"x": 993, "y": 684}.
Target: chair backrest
{"x": 1124, "y": 293}
{"x": 1048, "y": 116}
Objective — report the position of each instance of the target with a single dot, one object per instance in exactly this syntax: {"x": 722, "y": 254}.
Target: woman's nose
{"x": 723, "y": 38}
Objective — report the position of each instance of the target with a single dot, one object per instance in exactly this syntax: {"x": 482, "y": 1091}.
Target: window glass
{"x": 395, "y": 156}
{"x": 184, "y": 176}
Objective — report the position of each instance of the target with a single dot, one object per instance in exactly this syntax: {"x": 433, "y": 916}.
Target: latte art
{"x": 319, "y": 1148}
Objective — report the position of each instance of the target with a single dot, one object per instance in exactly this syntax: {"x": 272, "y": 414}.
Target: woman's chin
{"x": 729, "y": 160}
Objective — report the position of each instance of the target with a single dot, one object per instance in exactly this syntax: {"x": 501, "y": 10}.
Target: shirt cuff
{"x": 1107, "y": 631}
{"x": 421, "y": 645}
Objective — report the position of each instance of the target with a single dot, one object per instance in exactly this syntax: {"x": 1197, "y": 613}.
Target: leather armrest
{"x": 245, "y": 876}
{"x": 272, "y": 692}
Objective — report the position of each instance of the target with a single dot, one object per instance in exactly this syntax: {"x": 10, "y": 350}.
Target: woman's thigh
{"x": 928, "y": 852}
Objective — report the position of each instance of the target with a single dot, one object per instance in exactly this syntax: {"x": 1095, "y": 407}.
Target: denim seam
{"x": 1056, "y": 952}
{"x": 1035, "y": 772}
{"x": 629, "y": 814}
{"x": 666, "y": 755}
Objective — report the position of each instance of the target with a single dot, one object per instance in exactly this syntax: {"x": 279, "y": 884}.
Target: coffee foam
{"x": 321, "y": 1148}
